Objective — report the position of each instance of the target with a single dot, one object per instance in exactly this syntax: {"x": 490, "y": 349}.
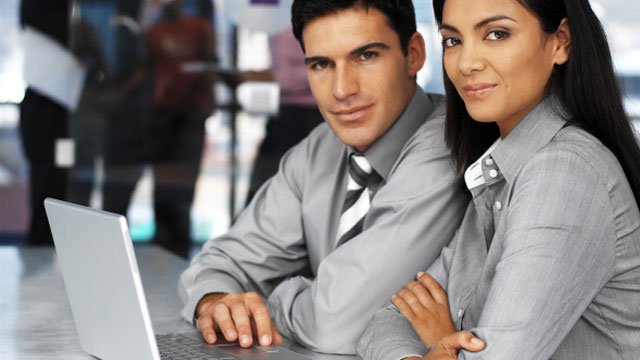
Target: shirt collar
{"x": 385, "y": 150}
{"x": 473, "y": 176}
{"x": 532, "y": 133}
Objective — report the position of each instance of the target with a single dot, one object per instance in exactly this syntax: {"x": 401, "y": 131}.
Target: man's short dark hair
{"x": 400, "y": 15}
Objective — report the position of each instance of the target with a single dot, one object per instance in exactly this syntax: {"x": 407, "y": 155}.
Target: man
{"x": 356, "y": 209}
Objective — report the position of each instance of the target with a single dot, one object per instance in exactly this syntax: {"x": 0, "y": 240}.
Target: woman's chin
{"x": 483, "y": 118}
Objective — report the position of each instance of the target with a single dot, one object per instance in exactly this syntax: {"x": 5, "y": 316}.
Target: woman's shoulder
{"x": 576, "y": 153}
{"x": 574, "y": 146}
{"x": 575, "y": 167}
{"x": 576, "y": 143}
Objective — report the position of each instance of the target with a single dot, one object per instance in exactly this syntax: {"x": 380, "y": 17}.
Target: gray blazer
{"x": 288, "y": 234}
{"x": 546, "y": 263}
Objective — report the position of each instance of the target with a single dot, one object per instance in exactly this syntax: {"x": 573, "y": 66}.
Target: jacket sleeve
{"x": 559, "y": 251}
{"x": 412, "y": 217}
{"x": 389, "y": 335}
{"x": 263, "y": 246}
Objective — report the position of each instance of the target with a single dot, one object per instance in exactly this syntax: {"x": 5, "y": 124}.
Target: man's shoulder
{"x": 424, "y": 165}
{"x": 437, "y": 100}
{"x": 322, "y": 138}
{"x": 431, "y": 132}
{"x": 319, "y": 149}
{"x": 437, "y": 108}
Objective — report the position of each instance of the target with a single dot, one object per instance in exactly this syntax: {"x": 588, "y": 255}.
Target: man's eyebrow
{"x": 481, "y": 24}
{"x": 315, "y": 59}
{"x": 356, "y": 51}
{"x": 374, "y": 45}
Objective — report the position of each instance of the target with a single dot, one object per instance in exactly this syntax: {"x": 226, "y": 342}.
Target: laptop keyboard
{"x": 178, "y": 347}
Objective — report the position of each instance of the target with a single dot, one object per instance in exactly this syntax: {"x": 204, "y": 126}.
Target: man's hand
{"x": 424, "y": 303}
{"x": 236, "y": 316}
{"x": 449, "y": 346}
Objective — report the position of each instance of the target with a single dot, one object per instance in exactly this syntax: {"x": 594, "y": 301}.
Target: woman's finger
{"x": 403, "y": 307}
{"x": 421, "y": 293}
{"x": 411, "y": 299}
{"x": 433, "y": 287}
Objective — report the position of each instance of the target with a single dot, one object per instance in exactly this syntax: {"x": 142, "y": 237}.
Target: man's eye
{"x": 497, "y": 35}
{"x": 368, "y": 55}
{"x": 320, "y": 65}
{"x": 449, "y": 42}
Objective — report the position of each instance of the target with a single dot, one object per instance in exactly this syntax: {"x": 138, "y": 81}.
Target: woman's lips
{"x": 478, "y": 90}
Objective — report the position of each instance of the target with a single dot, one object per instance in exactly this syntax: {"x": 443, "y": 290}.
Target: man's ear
{"x": 562, "y": 48}
{"x": 416, "y": 53}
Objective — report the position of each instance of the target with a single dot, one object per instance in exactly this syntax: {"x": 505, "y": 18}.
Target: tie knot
{"x": 360, "y": 170}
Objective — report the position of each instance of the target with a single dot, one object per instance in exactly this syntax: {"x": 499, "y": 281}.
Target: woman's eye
{"x": 450, "y": 42}
{"x": 497, "y": 35}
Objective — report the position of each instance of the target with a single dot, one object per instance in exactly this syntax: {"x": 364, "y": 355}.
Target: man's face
{"x": 358, "y": 73}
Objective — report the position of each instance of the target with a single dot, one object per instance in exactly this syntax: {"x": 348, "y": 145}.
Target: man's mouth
{"x": 353, "y": 113}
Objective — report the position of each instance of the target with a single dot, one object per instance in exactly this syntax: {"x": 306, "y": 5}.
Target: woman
{"x": 546, "y": 263}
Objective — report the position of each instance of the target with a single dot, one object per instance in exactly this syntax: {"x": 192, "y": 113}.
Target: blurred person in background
{"x": 43, "y": 122}
{"x": 88, "y": 121}
{"x": 181, "y": 102}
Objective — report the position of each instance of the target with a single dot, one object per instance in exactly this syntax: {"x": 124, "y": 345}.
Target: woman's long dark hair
{"x": 586, "y": 84}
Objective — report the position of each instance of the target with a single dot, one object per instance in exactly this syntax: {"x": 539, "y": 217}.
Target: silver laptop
{"x": 103, "y": 285}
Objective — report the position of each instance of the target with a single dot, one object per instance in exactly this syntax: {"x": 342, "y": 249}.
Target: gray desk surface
{"x": 35, "y": 318}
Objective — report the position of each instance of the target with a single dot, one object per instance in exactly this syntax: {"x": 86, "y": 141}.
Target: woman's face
{"x": 498, "y": 58}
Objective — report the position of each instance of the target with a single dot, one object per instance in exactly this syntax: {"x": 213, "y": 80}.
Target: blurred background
{"x": 206, "y": 69}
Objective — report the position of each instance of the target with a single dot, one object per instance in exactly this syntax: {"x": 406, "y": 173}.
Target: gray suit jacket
{"x": 546, "y": 263}
{"x": 284, "y": 245}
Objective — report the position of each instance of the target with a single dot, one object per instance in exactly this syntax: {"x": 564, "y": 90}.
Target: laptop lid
{"x": 102, "y": 280}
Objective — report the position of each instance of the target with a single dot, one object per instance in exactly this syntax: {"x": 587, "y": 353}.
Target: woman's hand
{"x": 424, "y": 303}
{"x": 449, "y": 346}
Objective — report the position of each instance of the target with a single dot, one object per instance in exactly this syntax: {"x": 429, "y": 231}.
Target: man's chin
{"x": 355, "y": 137}
{"x": 360, "y": 145}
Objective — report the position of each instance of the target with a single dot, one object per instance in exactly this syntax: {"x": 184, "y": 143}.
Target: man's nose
{"x": 346, "y": 83}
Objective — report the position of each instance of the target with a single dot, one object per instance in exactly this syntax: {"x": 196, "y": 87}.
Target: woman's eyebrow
{"x": 481, "y": 24}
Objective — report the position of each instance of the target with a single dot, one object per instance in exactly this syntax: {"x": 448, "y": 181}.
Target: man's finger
{"x": 225, "y": 323}
{"x": 240, "y": 318}
{"x": 404, "y": 308}
{"x": 437, "y": 292}
{"x": 277, "y": 338}
{"x": 205, "y": 325}
{"x": 263, "y": 322}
